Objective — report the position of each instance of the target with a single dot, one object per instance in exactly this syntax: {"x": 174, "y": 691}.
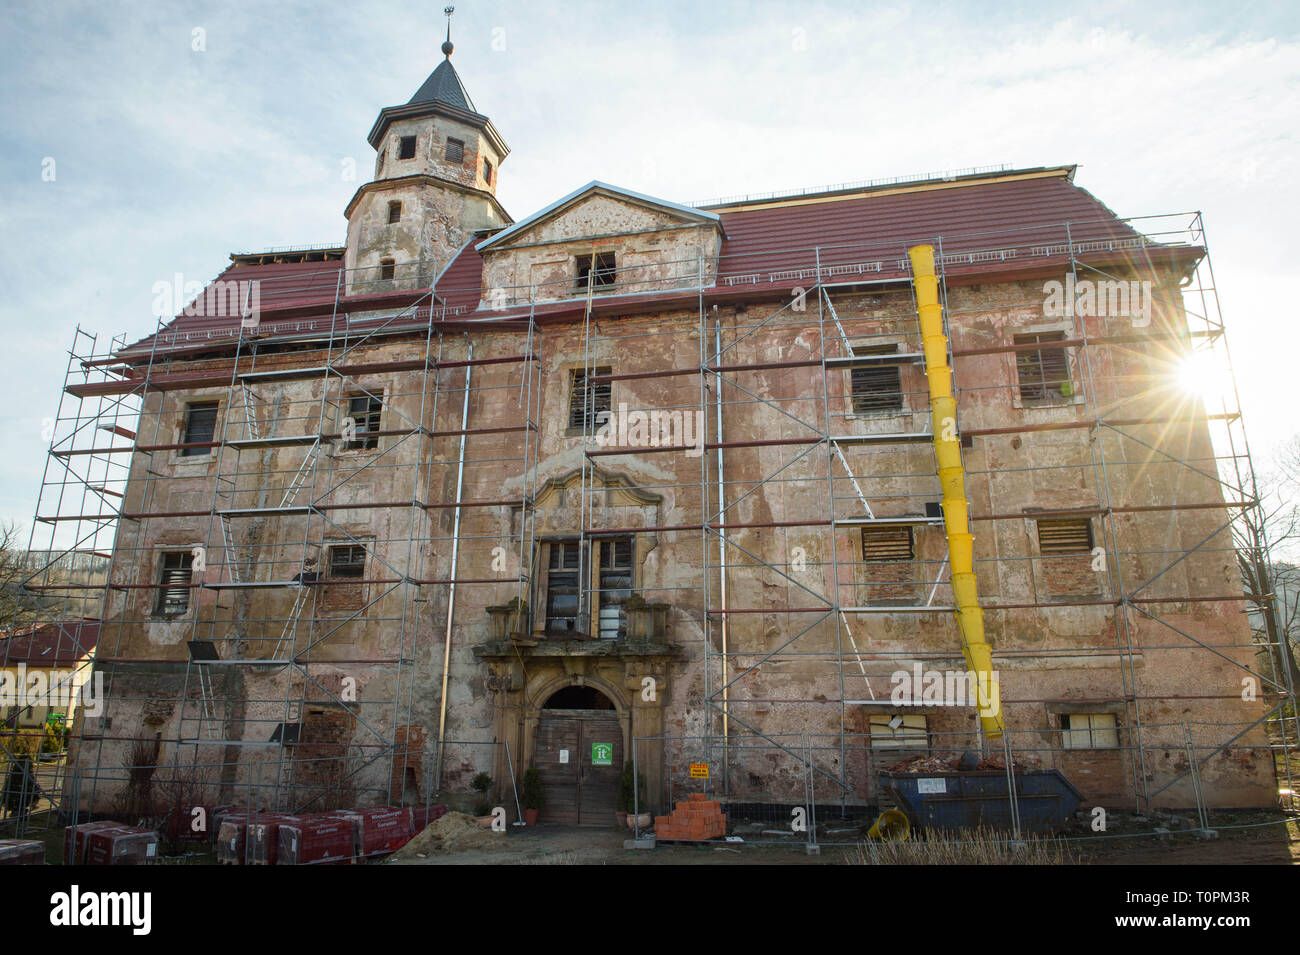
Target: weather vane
{"x": 447, "y": 46}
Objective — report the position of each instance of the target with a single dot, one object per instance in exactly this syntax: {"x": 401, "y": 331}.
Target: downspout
{"x": 722, "y": 564}
{"x": 455, "y": 551}
{"x": 952, "y": 478}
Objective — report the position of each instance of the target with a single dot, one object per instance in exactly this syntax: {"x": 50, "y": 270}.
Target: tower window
{"x": 600, "y": 267}
{"x": 379, "y": 163}
{"x": 487, "y": 172}
{"x": 455, "y": 150}
{"x": 386, "y": 268}
{"x": 406, "y": 148}
{"x": 394, "y": 212}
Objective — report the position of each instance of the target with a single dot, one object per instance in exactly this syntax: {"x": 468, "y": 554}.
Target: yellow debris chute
{"x": 952, "y": 478}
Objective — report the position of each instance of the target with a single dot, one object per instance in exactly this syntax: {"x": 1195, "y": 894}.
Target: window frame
{"x": 188, "y": 437}
{"x": 1056, "y": 548}
{"x": 1070, "y": 738}
{"x": 858, "y": 374}
{"x": 915, "y": 729}
{"x": 1042, "y": 390}
{"x": 184, "y": 569}
{"x": 394, "y": 211}
{"x": 582, "y": 399}
{"x": 373, "y": 413}
{"x": 603, "y": 265}
{"x": 333, "y": 564}
{"x": 459, "y": 158}
{"x": 882, "y": 530}
{"x": 403, "y": 142}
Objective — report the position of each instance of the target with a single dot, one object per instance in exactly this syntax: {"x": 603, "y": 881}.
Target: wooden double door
{"x": 579, "y": 789}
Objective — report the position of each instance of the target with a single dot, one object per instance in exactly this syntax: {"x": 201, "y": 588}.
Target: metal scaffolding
{"x": 766, "y": 529}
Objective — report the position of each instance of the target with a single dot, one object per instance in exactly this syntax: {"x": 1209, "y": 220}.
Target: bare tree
{"x": 1267, "y": 540}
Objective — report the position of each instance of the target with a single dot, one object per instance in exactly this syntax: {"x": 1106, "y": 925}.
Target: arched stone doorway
{"x": 579, "y": 753}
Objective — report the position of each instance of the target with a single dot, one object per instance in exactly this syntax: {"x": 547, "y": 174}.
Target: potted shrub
{"x": 630, "y": 801}
{"x": 533, "y": 796}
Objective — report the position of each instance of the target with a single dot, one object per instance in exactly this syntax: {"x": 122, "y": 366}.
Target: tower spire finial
{"x": 447, "y": 46}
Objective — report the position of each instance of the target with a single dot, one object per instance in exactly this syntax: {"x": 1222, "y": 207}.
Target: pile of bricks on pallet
{"x": 109, "y": 843}
{"x": 21, "y": 852}
{"x": 696, "y": 819}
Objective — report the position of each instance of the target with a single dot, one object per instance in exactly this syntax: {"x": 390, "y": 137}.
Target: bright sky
{"x": 168, "y": 158}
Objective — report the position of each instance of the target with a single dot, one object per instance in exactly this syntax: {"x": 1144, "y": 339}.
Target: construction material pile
{"x": 965, "y": 763}
{"x": 453, "y": 832}
{"x": 21, "y": 852}
{"x": 694, "y": 820}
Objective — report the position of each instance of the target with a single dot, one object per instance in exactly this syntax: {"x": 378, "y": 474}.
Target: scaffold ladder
{"x": 300, "y": 478}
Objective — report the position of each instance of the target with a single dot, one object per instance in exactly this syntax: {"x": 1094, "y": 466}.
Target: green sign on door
{"x": 602, "y": 754}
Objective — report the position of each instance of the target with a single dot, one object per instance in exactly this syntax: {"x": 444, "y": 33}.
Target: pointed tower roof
{"x": 443, "y": 94}
{"x": 444, "y": 86}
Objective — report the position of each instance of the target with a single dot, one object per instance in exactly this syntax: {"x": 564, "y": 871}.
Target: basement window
{"x": 1089, "y": 731}
{"x": 174, "y": 583}
{"x": 887, "y": 544}
{"x": 394, "y": 212}
{"x": 1060, "y": 537}
{"x": 365, "y": 411}
{"x": 1043, "y": 373}
{"x": 587, "y": 400}
{"x": 387, "y": 268}
{"x": 906, "y": 732}
{"x": 348, "y": 561}
{"x": 406, "y": 148}
{"x": 600, "y": 268}
{"x": 200, "y": 427}
{"x": 455, "y": 150}
{"x": 877, "y": 386}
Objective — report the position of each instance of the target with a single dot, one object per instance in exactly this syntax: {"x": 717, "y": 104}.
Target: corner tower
{"x": 436, "y": 166}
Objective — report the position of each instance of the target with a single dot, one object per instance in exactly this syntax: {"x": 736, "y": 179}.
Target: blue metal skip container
{"x": 957, "y": 800}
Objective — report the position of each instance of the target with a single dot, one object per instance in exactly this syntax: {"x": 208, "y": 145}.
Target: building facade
{"x": 629, "y": 477}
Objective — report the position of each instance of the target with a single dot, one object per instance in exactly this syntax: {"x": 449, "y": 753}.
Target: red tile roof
{"x": 1005, "y": 222}
{"x": 51, "y": 645}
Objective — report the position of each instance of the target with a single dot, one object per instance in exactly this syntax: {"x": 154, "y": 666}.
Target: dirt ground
{"x": 1245, "y": 838}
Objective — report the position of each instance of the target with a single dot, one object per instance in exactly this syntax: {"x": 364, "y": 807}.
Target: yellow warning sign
{"x": 699, "y": 770}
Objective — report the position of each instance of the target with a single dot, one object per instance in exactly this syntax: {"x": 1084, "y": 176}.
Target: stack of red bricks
{"x": 696, "y": 819}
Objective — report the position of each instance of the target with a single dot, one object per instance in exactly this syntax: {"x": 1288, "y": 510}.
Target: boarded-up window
{"x": 1089, "y": 731}
{"x": 877, "y": 386}
{"x": 587, "y": 399}
{"x": 387, "y": 269}
{"x": 601, "y": 268}
{"x": 1043, "y": 373}
{"x": 406, "y": 148}
{"x": 348, "y": 560}
{"x": 200, "y": 427}
{"x": 455, "y": 150}
{"x": 174, "y": 586}
{"x": 887, "y": 544}
{"x": 615, "y": 586}
{"x": 906, "y": 732}
{"x": 1068, "y": 536}
{"x": 394, "y": 212}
